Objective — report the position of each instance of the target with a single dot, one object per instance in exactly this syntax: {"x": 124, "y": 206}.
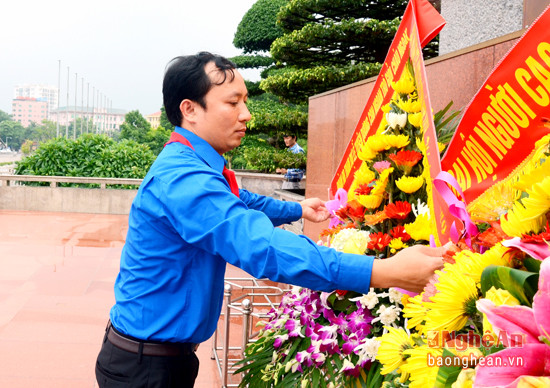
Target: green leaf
{"x": 521, "y": 284}
{"x": 531, "y": 264}
{"x": 447, "y": 375}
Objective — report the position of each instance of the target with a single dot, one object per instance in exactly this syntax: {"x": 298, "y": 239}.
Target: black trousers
{"x": 117, "y": 368}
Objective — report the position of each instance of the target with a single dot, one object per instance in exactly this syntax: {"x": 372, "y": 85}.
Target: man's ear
{"x": 188, "y": 110}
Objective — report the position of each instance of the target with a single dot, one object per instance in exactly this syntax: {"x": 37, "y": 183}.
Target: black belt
{"x": 148, "y": 348}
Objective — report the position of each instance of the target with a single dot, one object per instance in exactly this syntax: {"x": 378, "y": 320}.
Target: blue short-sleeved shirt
{"x": 185, "y": 225}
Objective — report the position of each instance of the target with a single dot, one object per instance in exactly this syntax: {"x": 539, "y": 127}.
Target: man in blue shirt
{"x": 189, "y": 219}
{"x": 293, "y": 176}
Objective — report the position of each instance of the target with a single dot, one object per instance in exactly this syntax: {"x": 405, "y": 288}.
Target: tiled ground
{"x": 56, "y": 288}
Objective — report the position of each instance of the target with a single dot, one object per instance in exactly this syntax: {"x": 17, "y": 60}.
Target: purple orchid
{"x": 340, "y": 200}
{"x": 351, "y": 342}
{"x": 531, "y": 358}
{"x": 294, "y": 328}
{"x": 360, "y": 322}
{"x": 349, "y": 369}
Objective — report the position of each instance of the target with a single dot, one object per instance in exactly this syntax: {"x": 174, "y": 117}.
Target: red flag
{"x": 421, "y": 16}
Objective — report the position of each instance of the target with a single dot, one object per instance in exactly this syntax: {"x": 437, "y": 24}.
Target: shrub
{"x": 88, "y": 156}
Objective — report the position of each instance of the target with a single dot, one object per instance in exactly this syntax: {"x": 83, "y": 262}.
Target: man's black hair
{"x": 185, "y": 78}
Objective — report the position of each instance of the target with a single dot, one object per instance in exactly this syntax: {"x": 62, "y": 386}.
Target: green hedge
{"x": 88, "y": 156}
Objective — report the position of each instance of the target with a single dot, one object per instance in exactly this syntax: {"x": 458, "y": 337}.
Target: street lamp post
{"x": 7, "y": 137}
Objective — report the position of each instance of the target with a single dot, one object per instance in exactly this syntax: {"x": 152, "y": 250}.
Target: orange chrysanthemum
{"x": 399, "y": 232}
{"x": 406, "y": 158}
{"x": 353, "y": 210}
{"x": 378, "y": 241}
{"x": 543, "y": 236}
{"x": 332, "y": 231}
{"x": 364, "y": 189}
{"x": 398, "y": 210}
{"x": 376, "y": 218}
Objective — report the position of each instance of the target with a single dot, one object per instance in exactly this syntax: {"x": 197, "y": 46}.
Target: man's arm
{"x": 410, "y": 269}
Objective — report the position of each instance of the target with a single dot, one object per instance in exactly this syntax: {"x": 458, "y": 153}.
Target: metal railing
{"x": 252, "y": 303}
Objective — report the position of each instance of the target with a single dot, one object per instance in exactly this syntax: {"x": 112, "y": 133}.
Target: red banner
{"x": 506, "y": 117}
{"x": 441, "y": 218}
{"x": 419, "y": 16}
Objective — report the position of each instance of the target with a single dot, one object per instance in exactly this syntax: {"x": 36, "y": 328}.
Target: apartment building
{"x": 98, "y": 120}
{"x": 154, "y": 119}
{"x": 40, "y": 92}
{"x": 27, "y": 110}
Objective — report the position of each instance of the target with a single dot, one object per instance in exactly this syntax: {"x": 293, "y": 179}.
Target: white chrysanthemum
{"x": 341, "y": 238}
{"x": 368, "y": 301}
{"x": 387, "y": 315}
{"x": 394, "y": 295}
{"x": 420, "y": 208}
{"x": 368, "y": 349}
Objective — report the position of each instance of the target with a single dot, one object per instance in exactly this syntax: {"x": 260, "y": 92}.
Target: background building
{"x": 27, "y": 110}
{"x": 154, "y": 119}
{"x": 100, "y": 120}
{"x": 39, "y": 91}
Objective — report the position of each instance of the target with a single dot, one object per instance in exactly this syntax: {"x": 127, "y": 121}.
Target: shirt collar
{"x": 203, "y": 149}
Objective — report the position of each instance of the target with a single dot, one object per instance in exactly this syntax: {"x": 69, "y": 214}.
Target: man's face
{"x": 223, "y": 123}
{"x": 289, "y": 140}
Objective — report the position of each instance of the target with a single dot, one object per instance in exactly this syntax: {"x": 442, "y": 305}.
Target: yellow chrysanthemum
{"x": 396, "y": 244}
{"x": 499, "y": 297}
{"x": 421, "y": 367}
{"x": 538, "y": 202}
{"x": 533, "y": 175}
{"x": 534, "y": 382}
{"x": 416, "y": 119}
{"x": 379, "y": 188}
{"x": 377, "y": 143}
{"x": 382, "y": 126}
{"x": 386, "y": 108}
{"x": 455, "y": 302}
{"x": 493, "y": 203}
{"x": 357, "y": 243}
{"x": 421, "y": 228}
{"x": 543, "y": 142}
{"x": 409, "y": 184}
{"x": 366, "y": 154}
{"x": 420, "y": 145}
{"x": 405, "y": 85}
{"x": 370, "y": 201}
{"x": 392, "y": 346}
{"x": 410, "y": 105}
{"x": 472, "y": 264}
{"x": 415, "y": 311}
{"x": 518, "y": 221}
{"x": 397, "y": 141}
{"x": 441, "y": 147}
{"x": 364, "y": 175}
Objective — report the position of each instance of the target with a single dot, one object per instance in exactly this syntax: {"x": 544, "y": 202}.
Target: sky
{"x": 119, "y": 47}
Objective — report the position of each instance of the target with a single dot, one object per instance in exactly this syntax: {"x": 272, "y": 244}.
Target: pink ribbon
{"x": 457, "y": 208}
{"x": 341, "y": 199}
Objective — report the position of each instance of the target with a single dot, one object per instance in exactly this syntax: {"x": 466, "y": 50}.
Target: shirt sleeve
{"x": 208, "y": 216}
{"x": 279, "y": 212}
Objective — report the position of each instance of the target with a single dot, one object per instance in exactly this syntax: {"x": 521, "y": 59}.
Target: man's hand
{"x": 410, "y": 269}
{"x": 313, "y": 209}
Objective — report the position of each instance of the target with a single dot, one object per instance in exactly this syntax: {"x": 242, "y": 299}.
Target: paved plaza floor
{"x": 56, "y": 288}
